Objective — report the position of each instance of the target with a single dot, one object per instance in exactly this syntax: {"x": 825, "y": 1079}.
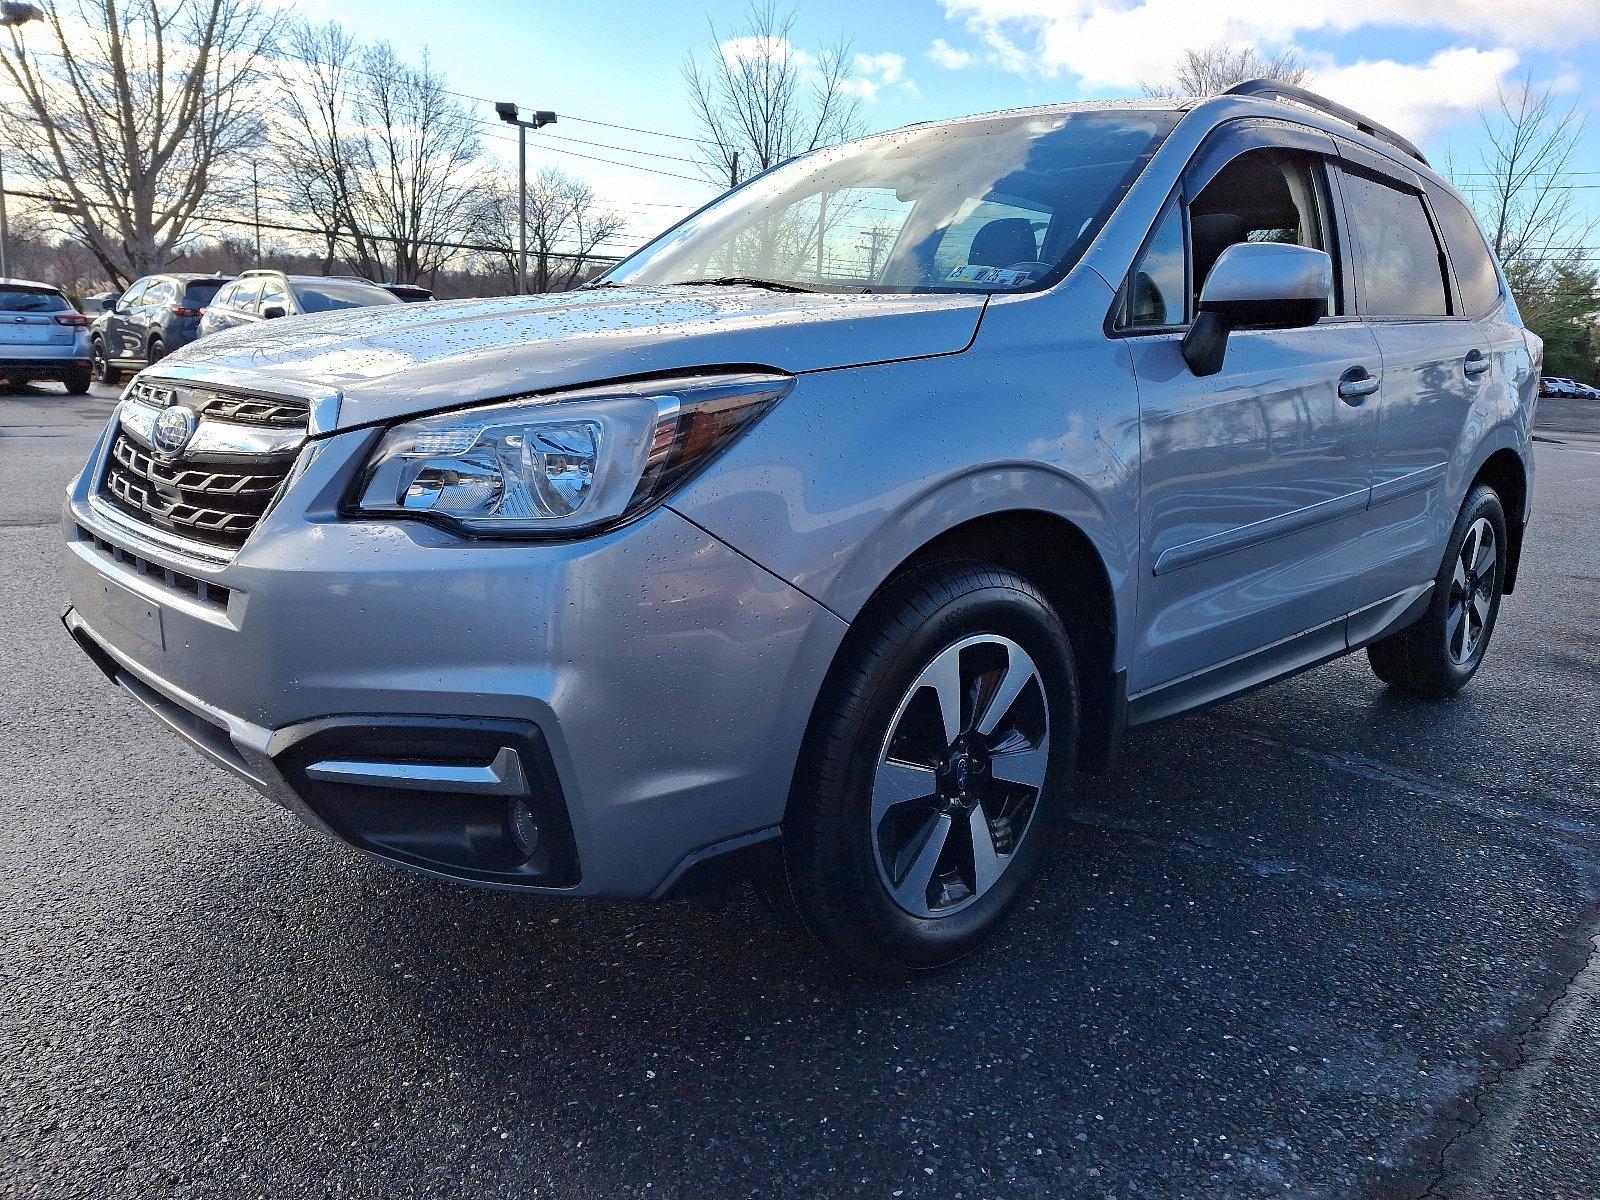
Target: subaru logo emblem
{"x": 172, "y": 431}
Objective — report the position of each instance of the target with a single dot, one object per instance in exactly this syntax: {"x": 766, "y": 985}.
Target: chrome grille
{"x": 241, "y": 410}
{"x": 222, "y": 482}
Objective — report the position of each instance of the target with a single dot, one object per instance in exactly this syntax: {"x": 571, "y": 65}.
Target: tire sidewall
{"x": 101, "y": 367}
{"x": 914, "y": 942}
{"x": 1484, "y": 502}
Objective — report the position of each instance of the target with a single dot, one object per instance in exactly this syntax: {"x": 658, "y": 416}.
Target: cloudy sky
{"x": 1422, "y": 65}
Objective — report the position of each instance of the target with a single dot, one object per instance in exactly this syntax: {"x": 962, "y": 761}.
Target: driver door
{"x": 1254, "y": 480}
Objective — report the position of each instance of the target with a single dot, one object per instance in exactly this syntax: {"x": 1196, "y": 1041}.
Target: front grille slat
{"x": 212, "y": 499}
{"x": 241, "y": 410}
{"x": 220, "y": 507}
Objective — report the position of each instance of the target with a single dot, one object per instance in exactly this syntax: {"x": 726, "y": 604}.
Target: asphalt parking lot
{"x": 1321, "y": 941}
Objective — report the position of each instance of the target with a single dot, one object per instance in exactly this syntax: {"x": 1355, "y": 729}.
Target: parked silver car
{"x": 42, "y": 336}
{"x": 825, "y": 538}
{"x": 266, "y": 295}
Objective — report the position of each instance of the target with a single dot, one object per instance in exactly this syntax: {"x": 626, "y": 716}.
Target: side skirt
{"x": 1280, "y": 660}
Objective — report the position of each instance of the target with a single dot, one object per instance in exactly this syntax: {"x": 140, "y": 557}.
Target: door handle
{"x": 1474, "y": 363}
{"x": 1356, "y": 384}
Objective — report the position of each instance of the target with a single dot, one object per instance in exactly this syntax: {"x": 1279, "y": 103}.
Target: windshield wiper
{"x": 772, "y": 285}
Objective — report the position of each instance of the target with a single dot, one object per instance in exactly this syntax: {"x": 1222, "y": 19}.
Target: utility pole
{"x": 11, "y": 14}
{"x": 255, "y": 192}
{"x": 5, "y": 233}
{"x": 733, "y": 172}
{"x": 541, "y": 117}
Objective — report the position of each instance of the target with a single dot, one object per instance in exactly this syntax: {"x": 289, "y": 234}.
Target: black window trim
{"x": 1204, "y": 165}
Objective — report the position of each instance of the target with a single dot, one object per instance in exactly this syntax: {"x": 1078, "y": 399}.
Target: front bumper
{"x": 661, "y": 679}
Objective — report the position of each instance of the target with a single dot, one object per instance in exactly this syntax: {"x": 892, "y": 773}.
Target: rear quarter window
{"x": 21, "y": 300}
{"x": 1476, "y": 277}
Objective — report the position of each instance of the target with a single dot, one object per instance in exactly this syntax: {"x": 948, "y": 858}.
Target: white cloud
{"x": 947, "y": 56}
{"x": 888, "y": 67}
{"x": 1419, "y": 99}
{"x": 1119, "y": 43}
{"x": 874, "y": 72}
{"x": 753, "y": 49}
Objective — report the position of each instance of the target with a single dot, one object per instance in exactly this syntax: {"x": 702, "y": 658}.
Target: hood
{"x": 388, "y": 362}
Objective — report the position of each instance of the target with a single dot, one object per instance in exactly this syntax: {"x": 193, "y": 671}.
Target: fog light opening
{"x": 524, "y": 826}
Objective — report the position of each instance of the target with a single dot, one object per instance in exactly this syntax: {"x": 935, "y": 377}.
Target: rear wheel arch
{"x": 1507, "y": 474}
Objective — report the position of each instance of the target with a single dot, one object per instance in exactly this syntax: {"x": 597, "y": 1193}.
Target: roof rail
{"x": 1268, "y": 89}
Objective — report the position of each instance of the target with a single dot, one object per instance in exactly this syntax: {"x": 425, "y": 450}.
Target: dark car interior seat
{"x": 1004, "y": 242}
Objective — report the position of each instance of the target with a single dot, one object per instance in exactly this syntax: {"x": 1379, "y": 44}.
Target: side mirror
{"x": 1258, "y": 285}
{"x": 107, "y": 303}
{"x": 272, "y": 312}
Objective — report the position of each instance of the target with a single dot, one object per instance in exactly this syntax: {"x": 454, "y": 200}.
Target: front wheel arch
{"x": 1058, "y": 557}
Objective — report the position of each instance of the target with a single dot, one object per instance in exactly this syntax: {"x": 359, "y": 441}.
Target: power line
{"x": 277, "y": 227}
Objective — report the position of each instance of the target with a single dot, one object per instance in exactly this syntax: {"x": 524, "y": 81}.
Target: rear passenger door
{"x": 1254, "y": 480}
{"x": 1434, "y": 365}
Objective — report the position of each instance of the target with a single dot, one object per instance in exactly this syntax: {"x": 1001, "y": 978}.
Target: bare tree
{"x": 131, "y": 111}
{"x": 567, "y": 227}
{"x": 1523, "y": 187}
{"x": 759, "y": 100}
{"x": 1216, "y": 68}
{"x": 315, "y": 138}
{"x": 378, "y": 152}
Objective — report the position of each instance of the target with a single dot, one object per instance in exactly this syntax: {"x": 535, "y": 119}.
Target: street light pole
{"x": 508, "y": 113}
{"x": 11, "y": 14}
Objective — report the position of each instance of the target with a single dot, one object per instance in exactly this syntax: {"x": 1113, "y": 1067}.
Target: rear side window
{"x": 1469, "y": 254}
{"x": 24, "y": 300}
{"x": 1398, "y": 260}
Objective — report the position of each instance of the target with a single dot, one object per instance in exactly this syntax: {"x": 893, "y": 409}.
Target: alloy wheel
{"x": 959, "y": 775}
{"x": 1472, "y": 592}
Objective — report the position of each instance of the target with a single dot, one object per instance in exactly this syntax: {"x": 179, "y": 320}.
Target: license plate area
{"x": 132, "y": 613}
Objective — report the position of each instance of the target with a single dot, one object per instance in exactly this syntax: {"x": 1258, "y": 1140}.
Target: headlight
{"x": 563, "y": 463}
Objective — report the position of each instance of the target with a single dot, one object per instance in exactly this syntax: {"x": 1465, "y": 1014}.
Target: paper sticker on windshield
{"x": 992, "y": 276}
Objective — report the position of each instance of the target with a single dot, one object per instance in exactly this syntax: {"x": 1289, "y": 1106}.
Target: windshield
{"x": 19, "y": 300}
{"x": 999, "y": 204}
{"x": 326, "y": 295}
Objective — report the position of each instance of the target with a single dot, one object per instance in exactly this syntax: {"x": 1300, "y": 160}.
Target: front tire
{"x": 1437, "y": 656}
{"x": 941, "y": 747}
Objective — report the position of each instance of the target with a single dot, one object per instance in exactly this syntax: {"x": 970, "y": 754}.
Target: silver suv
{"x": 825, "y": 539}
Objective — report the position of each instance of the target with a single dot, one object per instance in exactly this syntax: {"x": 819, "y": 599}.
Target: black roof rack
{"x": 1268, "y": 89}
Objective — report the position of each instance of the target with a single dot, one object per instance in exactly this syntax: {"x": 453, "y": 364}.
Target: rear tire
{"x": 1438, "y": 655}
{"x": 100, "y": 364}
{"x": 905, "y": 848}
{"x": 76, "y": 382}
{"x": 157, "y": 351}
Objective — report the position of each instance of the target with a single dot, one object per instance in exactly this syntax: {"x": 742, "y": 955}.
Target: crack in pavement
{"x": 1497, "y": 1109}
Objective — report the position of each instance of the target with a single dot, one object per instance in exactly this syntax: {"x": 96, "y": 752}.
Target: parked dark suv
{"x": 154, "y": 317}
